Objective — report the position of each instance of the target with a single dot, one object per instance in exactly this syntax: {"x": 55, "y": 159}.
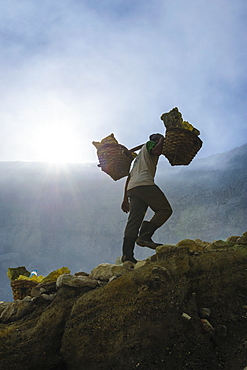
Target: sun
{"x": 57, "y": 144}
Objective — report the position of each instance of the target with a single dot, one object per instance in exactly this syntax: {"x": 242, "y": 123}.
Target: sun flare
{"x": 57, "y": 144}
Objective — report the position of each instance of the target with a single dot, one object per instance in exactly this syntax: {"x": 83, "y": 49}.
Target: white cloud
{"x": 115, "y": 68}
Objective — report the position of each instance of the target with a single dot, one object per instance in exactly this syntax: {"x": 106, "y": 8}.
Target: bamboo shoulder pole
{"x": 136, "y": 148}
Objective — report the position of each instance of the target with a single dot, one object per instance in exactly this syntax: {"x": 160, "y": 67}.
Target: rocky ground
{"x": 183, "y": 308}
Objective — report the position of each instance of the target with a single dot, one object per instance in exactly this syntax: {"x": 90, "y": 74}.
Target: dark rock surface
{"x": 185, "y": 307}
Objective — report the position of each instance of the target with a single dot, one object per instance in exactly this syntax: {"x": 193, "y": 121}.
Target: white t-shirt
{"x": 144, "y": 169}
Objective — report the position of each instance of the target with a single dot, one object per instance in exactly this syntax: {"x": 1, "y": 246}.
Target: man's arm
{"x": 157, "y": 149}
{"x": 125, "y": 203}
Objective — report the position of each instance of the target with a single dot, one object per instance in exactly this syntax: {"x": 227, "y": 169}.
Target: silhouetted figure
{"x": 140, "y": 193}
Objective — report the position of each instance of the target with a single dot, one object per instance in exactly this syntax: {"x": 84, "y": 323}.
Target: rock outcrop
{"x": 185, "y": 307}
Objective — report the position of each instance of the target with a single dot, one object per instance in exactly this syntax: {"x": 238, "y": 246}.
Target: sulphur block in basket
{"x": 110, "y": 139}
{"x": 114, "y": 158}
{"x": 181, "y": 142}
{"x": 174, "y": 119}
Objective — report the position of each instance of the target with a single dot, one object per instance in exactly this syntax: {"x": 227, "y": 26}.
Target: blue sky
{"x": 74, "y": 71}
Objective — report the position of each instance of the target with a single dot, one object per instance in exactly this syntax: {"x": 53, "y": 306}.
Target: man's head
{"x": 155, "y": 137}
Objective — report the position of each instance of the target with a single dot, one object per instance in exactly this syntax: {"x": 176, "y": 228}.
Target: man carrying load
{"x": 140, "y": 193}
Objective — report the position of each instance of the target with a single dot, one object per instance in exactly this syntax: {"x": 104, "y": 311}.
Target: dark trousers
{"x": 140, "y": 199}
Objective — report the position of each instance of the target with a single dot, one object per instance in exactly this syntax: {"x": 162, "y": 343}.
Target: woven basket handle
{"x": 136, "y": 148}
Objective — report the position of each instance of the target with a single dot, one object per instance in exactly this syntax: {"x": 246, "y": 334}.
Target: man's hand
{"x": 157, "y": 149}
{"x": 125, "y": 205}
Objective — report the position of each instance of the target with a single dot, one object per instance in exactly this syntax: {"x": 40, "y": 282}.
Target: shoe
{"x": 128, "y": 250}
{"x": 144, "y": 242}
{"x": 130, "y": 259}
{"x": 146, "y": 232}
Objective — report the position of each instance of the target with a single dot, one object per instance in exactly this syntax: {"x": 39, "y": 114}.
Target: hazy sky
{"x": 74, "y": 71}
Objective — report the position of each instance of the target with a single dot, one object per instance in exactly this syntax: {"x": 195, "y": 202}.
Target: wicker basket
{"x": 180, "y": 146}
{"x": 22, "y": 288}
{"x": 115, "y": 160}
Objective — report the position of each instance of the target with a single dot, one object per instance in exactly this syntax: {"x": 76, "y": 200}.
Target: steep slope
{"x": 209, "y": 197}
{"x": 70, "y": 216}
{"x": 183, "y": 308}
